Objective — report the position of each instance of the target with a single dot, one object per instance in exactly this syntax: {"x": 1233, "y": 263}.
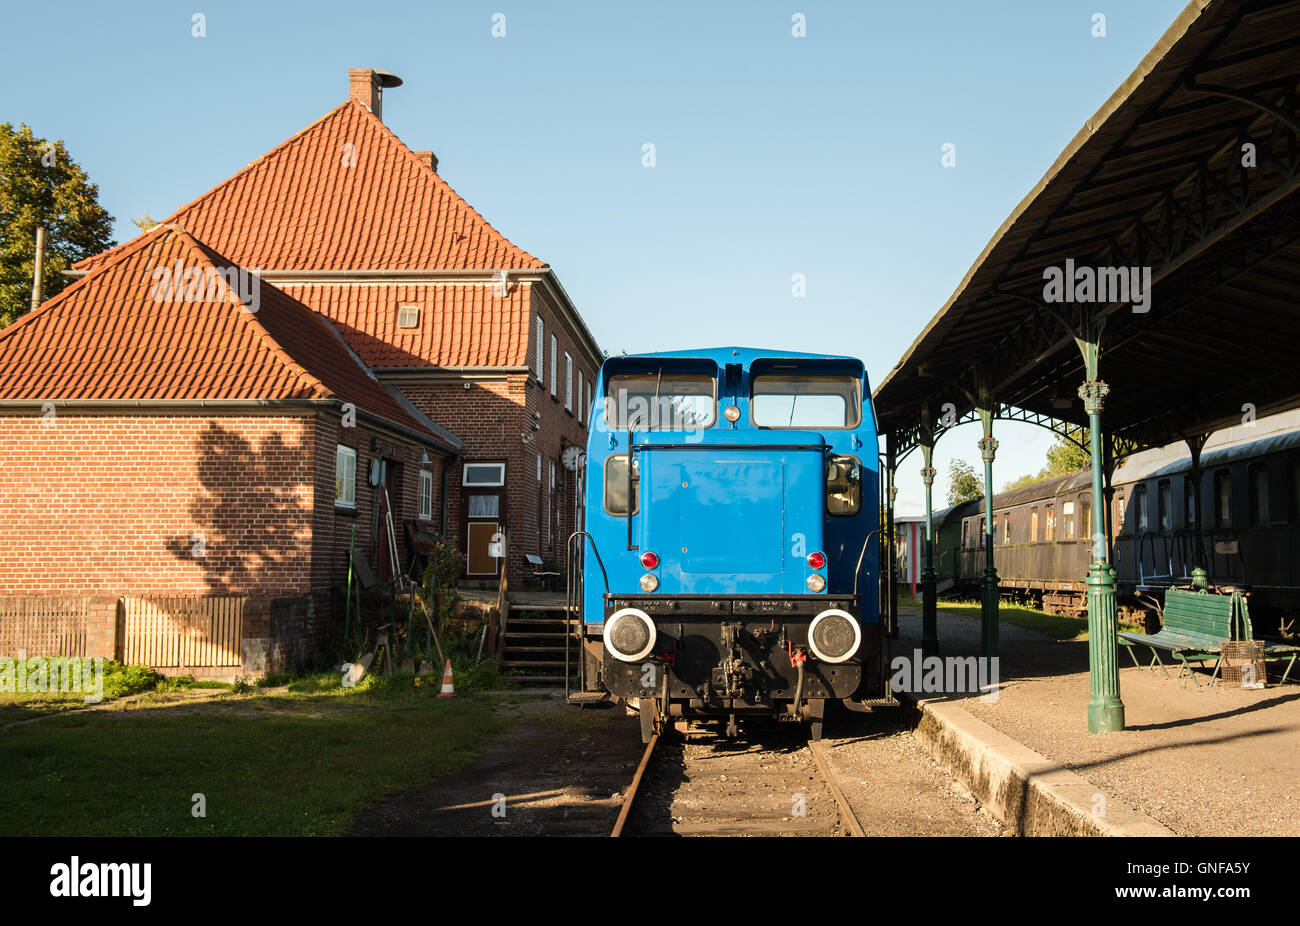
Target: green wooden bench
{"x": 1193, "y": 626}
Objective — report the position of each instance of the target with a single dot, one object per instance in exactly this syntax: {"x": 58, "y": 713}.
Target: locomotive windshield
{"x": 806, "y": 401}
{"x": 661, "y": 402}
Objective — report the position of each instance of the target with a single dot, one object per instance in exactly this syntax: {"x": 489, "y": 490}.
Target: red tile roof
{"x": 300, "y": 207}
{"x": 121, "y": 332}
{"x": 458, "y": 325}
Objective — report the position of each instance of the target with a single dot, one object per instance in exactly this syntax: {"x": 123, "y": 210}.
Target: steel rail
{"x": 630, "y": 797}
{"x": 846, "y": 810}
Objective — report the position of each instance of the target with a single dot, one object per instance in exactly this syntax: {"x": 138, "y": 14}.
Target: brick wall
{"x": 492, "y": 413}
{"x": 144, "y": 504}
{"x": 139, "y": 504}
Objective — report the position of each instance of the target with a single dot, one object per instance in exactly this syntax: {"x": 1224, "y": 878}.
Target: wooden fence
{"x": 47, "y": 626}
{"x": 183, "y": 632}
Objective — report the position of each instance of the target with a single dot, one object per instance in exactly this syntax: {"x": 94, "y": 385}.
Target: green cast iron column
{"x": 929, "y": 607}
{"x": 1105, "y": 709}
{"x": 989, "y": 584}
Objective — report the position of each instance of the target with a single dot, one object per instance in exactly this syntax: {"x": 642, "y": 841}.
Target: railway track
{"x": 700, "y": 784}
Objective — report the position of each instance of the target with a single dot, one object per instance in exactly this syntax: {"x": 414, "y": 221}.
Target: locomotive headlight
{"x": 834, "y": 636}
{"x": 816, "y": 583}
{"x": 629, "y": 634}
{"x": 649, "y": 582}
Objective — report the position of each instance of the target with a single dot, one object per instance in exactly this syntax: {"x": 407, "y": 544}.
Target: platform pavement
{"x": 1198, "y": 760}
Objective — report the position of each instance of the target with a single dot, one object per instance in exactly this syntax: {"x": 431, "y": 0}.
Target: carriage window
{"x": 1223, "y": 498}
{"x": 805, "y": 401}
{"x": 1006, "y": 528}
{"x": 843, "y": 486}
{"x": 1051, "y": 523}
{"x": 1067, "y": 513}
{"x": 1118, "y": 515}
{"x": 672, "y": 402}
{"x": 965, "y": 535}
{"x": 1295, "y": 488}
{"x": 1165, "y": 504}
{"x": 616, "y": 485}
{"x": 1189, "y": 502}
{"x": 1033, "y": 525}
{"x": 1258, "y": 493}
{"x": 1144, "y": 521}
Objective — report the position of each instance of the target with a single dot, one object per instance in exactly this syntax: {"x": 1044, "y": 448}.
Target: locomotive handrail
{"x": 861, "y": 556}
{"x": 570, "y": 605}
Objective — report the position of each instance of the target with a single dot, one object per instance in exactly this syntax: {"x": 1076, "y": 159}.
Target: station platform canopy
{"x": 1188, "y": 174}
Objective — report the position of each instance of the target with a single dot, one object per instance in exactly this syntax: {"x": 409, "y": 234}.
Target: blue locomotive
{"x": 729, "y": 563}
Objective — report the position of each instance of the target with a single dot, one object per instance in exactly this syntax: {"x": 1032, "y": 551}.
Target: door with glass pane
{"x": 482, "y": 501}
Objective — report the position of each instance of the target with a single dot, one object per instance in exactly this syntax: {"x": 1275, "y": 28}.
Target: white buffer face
{"x": 834, "y": 636}
{"x": 630, "y": 634}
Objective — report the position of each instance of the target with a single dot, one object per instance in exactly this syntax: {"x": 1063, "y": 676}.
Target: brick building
{"x": 478, "y": 334}
{"x": 171, "y": 426}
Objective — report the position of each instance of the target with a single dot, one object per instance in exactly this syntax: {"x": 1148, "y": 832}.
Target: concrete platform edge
{"x": 1026, "y": 792}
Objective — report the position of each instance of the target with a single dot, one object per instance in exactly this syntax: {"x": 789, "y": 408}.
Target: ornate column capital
{"x": 1094, "y": 396}
{"x": 988, "y": 448}
{"x": 927, "y": 475}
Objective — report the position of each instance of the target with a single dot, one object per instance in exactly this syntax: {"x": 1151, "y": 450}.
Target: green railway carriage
{"x": 1249, "y": 536}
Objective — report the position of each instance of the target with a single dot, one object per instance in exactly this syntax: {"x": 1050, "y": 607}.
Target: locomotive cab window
{"x": 616, "y": 485}
{"x": 661, "y": 402}
{"x": 843, "y": 486}
{"x": 806, "y": 401}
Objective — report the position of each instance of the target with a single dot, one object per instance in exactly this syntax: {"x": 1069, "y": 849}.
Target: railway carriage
{"x": 729, "y": 563}
{"x": 1249, "y": 536}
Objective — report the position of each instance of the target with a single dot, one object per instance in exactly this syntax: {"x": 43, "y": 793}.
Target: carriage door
{"x": 482, "y": 491}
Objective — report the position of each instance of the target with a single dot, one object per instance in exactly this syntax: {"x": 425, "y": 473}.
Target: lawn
{"x": 295, "y": 761}
{"x": 1052, "y": 625}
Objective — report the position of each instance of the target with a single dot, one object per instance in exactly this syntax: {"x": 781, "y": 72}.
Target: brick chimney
{"x": 366, "y": 86}
{"x": 429, "y": 159}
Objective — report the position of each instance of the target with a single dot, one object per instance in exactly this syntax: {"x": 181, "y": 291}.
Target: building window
{"x": 484, "y": 474}
{"x": 1223, "y": 498}
{"x": 408, "y": 316}
{"x": 1050, "y": 527}
{"x": 539, "y": 502}
{"x": 568, "y": 382}
{"x": 345, "y": 477}
{"x": 426, "y": 494}
{"x": 580, "y": 395}
{"x": 484, "y": 506}
{"x": 555, "y": 352}
{"x": 541, "y": 351}
{"x": 1258, "y": 481}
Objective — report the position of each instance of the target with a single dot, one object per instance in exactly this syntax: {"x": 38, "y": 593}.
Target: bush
{"x": 120, "y": 680}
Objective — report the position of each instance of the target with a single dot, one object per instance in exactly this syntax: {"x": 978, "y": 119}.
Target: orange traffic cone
{"x": 448, "y": 688}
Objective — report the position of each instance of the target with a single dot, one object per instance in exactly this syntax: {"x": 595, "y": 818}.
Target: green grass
{"x": 300, "y": 762}
{"x": 1052, "y": 625}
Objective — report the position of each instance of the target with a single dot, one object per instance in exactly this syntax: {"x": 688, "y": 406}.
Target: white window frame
{"x": 581, "y": 391}
{"x": 345, "y": 477}
{"x": 555, "y": 353}
{"x": 568, "y": 382}
{"x": 426, "y": 494}
{"x": 589, "y": 399}
{"x": 500, "y": 481}
{"x": 406, "y": 311}
{"x": 541, "y": 350}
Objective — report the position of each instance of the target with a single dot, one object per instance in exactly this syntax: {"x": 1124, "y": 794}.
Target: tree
{"x": 41, "y": 186}
{"x": 963, "y": 484}
{"x": 1065, "y": 457}
{"x": 145, "y": 222}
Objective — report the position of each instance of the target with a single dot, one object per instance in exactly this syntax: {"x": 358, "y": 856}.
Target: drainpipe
{"x": 455, "y": 462}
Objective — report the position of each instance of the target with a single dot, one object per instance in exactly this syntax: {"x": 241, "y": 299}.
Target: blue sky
{"x": 774, "y": 155}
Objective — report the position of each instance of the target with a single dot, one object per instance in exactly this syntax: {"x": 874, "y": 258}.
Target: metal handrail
{"x": 574, "y": 580}
{"x": 861, "y": 556}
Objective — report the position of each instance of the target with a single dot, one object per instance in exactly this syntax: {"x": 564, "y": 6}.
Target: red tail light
{"x": 649, "y": 560}
{"x": 816, "y": 560}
